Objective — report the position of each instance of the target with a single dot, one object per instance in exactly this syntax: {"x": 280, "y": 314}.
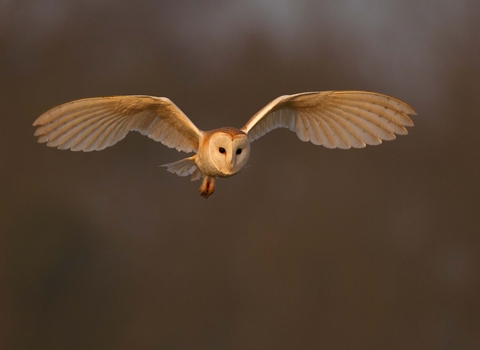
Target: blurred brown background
{"x": 308, "y": 248}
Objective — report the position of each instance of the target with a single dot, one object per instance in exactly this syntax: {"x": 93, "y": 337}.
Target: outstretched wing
{"x": 96, "y": 123}
{"x": 334, "y": 119}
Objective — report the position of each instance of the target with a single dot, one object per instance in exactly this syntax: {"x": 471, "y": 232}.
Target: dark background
{"x": 308, "y": 248}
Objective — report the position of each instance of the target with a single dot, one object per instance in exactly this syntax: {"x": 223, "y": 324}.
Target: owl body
{"x": 334, "y": 119}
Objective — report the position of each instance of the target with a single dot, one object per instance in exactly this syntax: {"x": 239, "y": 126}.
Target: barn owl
{"x": 334, "y": 119}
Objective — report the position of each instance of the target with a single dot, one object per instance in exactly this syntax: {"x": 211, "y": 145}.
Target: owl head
{"x": 228, "y": 150}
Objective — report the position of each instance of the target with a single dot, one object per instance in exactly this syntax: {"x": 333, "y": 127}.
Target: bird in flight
{"x": 334, "y": 119}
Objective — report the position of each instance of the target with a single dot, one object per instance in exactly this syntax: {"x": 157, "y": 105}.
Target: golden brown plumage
{"x": 334, "y": 119}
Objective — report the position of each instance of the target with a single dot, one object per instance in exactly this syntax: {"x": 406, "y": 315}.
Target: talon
{"x": 208, "y": 187}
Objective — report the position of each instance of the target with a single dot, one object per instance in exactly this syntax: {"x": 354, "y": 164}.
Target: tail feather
{"x": 185, "y": 167}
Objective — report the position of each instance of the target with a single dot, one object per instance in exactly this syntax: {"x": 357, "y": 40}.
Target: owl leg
{"x": 208, "y": 186}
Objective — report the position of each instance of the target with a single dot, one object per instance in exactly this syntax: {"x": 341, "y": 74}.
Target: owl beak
{"x": 230, "y": 164}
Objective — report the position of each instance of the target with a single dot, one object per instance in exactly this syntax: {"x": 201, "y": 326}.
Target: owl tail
{"x": 185, "y": 167}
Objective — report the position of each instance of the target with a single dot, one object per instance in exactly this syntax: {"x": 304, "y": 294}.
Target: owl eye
{"x": 221, "y": 150}
{"x": 239, "y": 150}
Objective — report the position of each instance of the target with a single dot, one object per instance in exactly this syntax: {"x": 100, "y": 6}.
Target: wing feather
{"x": 101, "y": 134}
{"x": 386, "y": 113}
{"x": 360, "y": 128}
{"x": 351, "y": 131}
{"x": 185, "y": 167}
{"x": 301, "y": 127}
{"x": 83, "y": 133}
{"x": 330, "y": 137}
{"x": 316, "y": 134}
{"x": 340, "y": 137}
{"x": 373, "y": 116}
{"x": 372, "y": 98}
{"x": 334, "y": 119}
{"x": 117, "y": 134}
{"x": 97, "y": 123}
{"x": 370, "y": 126}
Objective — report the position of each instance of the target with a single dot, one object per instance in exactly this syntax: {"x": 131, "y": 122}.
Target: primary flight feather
{"x": 334, "y": 119}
